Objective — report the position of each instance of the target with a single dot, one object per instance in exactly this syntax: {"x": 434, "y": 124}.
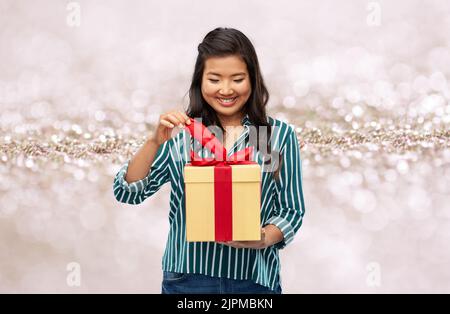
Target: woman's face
{"x": 226, "y": 85}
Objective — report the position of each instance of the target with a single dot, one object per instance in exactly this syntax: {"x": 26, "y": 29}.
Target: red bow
{"x": 209, "y": 141}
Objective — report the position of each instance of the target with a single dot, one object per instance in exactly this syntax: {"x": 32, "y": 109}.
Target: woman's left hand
{"x": 270, "y": 235}
{"x": 261, "y": 244}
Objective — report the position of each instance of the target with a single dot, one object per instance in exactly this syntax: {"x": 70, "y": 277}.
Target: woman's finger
{"x": 166, "y": 123}
{"x": 173, "y": 119}
{"x": 180, "y": 118}
{"x": 188, "y": 120}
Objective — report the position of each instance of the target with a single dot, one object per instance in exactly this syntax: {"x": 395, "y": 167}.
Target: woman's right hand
{"x": 168, "y": 121}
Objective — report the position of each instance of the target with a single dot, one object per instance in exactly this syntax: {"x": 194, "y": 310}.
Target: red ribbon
{"x": 223, "y": 201}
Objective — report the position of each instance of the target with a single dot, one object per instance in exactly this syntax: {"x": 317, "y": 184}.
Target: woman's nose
{"x": 225, "y": 90}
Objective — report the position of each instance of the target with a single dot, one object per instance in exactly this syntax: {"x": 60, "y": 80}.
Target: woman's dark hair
{"x": 223, "y": 42}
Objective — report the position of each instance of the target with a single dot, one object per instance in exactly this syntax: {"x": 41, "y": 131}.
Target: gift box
{"x": 222, "y": 194}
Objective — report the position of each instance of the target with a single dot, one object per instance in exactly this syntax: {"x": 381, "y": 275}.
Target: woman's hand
{"x": 167, "y": 122}
{"x": 270, "y": 235}
{"x": 261, "y": 244}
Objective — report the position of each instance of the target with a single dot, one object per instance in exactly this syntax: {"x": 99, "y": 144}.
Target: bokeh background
{"x": 365, "y": 83}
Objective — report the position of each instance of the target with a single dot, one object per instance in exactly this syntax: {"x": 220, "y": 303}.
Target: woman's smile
{"x": 227, "y": 102}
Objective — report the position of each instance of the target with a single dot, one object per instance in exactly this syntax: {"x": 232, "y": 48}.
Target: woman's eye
{"x": 215, "y": 81}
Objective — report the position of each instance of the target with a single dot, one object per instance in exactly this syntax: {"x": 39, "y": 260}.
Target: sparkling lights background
{"x": 365, "y": 83}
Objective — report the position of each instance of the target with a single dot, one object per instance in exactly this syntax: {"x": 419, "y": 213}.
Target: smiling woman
{"x": 227, "y": 91}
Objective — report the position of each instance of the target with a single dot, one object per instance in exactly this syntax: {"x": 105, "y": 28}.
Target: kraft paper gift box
{"x": 222, "y": 197}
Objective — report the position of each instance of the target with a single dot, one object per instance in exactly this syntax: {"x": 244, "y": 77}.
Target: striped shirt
{"x": 282, "y": 205}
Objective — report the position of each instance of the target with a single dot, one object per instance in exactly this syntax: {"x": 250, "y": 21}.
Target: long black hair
{"x": 223, "y": 42}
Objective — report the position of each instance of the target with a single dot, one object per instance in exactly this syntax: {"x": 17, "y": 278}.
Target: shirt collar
{"x": 246, "y": 120}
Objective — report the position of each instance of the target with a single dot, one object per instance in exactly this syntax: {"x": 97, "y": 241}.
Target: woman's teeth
{"x": 227, "y": 100}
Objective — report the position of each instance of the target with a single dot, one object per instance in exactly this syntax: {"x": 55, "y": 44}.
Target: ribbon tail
{"x": 206, "y": 138}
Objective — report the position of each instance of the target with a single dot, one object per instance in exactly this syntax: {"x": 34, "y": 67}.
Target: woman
{"x": 227, "y": 93}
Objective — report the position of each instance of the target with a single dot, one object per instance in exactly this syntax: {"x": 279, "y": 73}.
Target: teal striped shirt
{"x": 282, "y": 205}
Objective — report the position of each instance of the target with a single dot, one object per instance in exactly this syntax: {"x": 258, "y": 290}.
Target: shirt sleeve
{"x": 136, "y": 192}
{"x": 289, "y": 202}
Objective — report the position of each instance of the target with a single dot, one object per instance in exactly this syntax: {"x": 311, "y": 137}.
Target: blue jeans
{"x": 180, "y": 283}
